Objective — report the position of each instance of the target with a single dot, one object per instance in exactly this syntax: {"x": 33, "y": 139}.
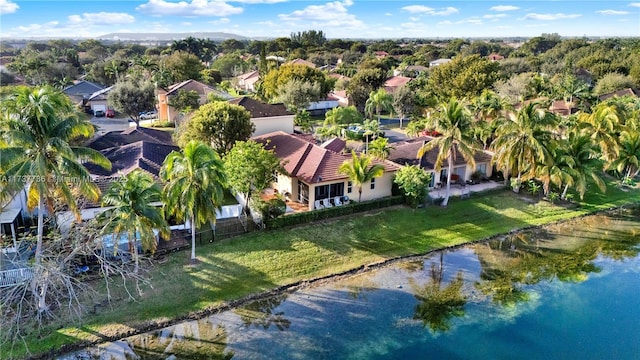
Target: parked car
{"x": 149, "y": 115}
{"x": 98, "y": 113}
{"x": 110, "y": 113}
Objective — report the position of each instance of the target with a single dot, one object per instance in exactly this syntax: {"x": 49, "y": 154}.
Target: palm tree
{"x": 40, "y": 123}
{"x": 628, "y": 160}
{"x": 522, "y": 141}
{"x": 359, "y": 170}
{"x": 380, "y": 148}
{"x": 557, "y": 169}
{"x": 133, "y": 213}
{"x": 195, "y": 186}
{"x": 583, "y": 160}
{"x": 453, "y": 121}
{"x": 378, "y": 100}
{"x": 604, "y": 125}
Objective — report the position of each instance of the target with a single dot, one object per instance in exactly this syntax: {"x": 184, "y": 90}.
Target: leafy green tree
{"x": 414, "y": 183}
{"x": 342, "y": 116}
{"x": 604, "y": 125}
{"x": 132, "y": 98}
{"x": 183, "y": 66}
{"x": 133, "y": 214}
{"x": 581, "y": 157}
{"x": 250, "y": 168}
{"x": 219, "y": 124}
{"x": 378, "y": 101}
{"x": 276, "y": 79}
{"x": 362, "y": 84}
{"x": 359, "y": 170}
{"x": 38, "y": 127}
{"x": 195, "y": 182}
{"x": 185, "y": 101}
{"x": 380, "y": 148}
{"x": 298, "y": 94}
{"x": 462, "y": 77}
{"x": 612, "y": 82}
{"x": 628, "y": 160}
{"x": 523, "y": 140}
{"x": 403, "y": 102}
{"x": 230, "y": 65}
{"x": 453, "y": 122}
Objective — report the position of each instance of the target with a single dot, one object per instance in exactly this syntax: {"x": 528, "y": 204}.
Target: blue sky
{"x": 338, "y": 19}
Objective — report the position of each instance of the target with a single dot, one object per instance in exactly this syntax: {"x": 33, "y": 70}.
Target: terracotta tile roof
{"x": 248, "y": 75}
{"x": 138, "y": 155}
{"x": 336, "y": 145}
{"x": 562, "y": 107}
{"x": 308, "y": 162}
{"x": 300, "y": 62}
{"x": 259, "y": 109}
{"x": 129, "y": 136}
{"x": 190, "y": 85}
{"x": 407, "y": 154}
{"x": 619, "y": 93}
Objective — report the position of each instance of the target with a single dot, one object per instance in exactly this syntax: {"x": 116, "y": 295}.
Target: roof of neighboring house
{"x": 143, "y": 155}
{"x": 250, "y": 74}
{"x": 82, "y": 88}
{"x": 336, "y": 145}
{"x": 301, "y": 62}
{"x": 416, "y": 68}
{"x": 340, "y": 94}
{"x": 190, "y": 85}
{"x": 306, "y": 161}
{"x": 495, "y": 57}
{"x": 128, "y": 136}
{"x": 381, "y": 53}
{"x": 406, "y": 153}
{"x": 396, "y": 81}
{"x": 101, "y": 94}
{"x": 619, "y": 93}
{"x": 440, "y": 61}
{"x": 562, "y": 107}
{"x": 259, "y": 109}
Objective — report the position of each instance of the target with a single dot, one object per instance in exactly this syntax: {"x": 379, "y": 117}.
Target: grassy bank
{"x": 261, "y": 261}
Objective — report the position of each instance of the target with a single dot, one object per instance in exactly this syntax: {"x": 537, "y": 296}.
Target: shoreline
{"x": 301, "y": 284}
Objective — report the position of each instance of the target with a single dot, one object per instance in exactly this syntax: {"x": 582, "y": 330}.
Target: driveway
{"x": 106, "y": 124}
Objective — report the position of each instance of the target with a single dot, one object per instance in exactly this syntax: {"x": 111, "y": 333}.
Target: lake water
{"x": 569, "y": 292}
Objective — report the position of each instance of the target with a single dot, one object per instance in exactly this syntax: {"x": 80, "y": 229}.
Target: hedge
{"x": 327, "y": 213}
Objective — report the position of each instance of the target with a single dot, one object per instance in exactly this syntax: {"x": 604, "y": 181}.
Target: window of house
{"x": 373, "y": 184}
{"x": 482, "y": 168}
{"x": 349, "y": 187}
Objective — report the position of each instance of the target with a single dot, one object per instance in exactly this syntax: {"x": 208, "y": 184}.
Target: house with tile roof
{"x": 81, "y": 91}
{"x": 394, "y": 83}
{"x": 301, "y": 62}
{"x": 129, "y": 136}
{"x": 267, "y": 117}
{"x": 439, "y": 62}
{"x": 167, "y": 112}
{"x": 406, "y": 153}
{"x": 247, "y": 81}
{"x": 312, "y": 171}
{"x": 619, "y": 93}
{"x": 98, "y": 100}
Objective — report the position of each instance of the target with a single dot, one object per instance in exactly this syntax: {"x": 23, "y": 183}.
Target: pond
{"x": 569, "y": 291}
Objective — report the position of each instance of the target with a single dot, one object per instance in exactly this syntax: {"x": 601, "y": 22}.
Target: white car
{"x": 149, "y": 115}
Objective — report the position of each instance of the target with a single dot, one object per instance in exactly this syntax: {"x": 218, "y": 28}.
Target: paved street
{"x": 106, "y": 124}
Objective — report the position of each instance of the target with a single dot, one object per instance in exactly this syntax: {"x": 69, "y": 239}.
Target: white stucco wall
{"x": 270, "y": 124}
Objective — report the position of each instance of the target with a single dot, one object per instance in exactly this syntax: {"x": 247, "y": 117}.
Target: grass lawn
{"x": 261, "y": 261}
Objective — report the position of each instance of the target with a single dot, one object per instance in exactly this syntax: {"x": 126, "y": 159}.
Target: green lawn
{"x": 260, "y": 261}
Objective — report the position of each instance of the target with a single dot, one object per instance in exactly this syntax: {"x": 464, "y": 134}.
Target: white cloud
{"x": 472, "y": 20}
{"x": 494, "y": 16}
{"x": 612, "y": 12}
{"x": 220, "y": 21}
{"x": 414, "y": 18}
{"x": 258, "y": 1}
{"x": 388, "y": 14}
{"x": 635, "y": 4}
{"x": 558, "y": 16}
{"x": 101, "y": 18}
{"x": 504, "y": 8}
{"x": 421, "y": 9}
{"x": 186, "y": 23}
{"x": 8, "y": 7}
{"x": 193, "y": 8}
{"x": 38, "y": 27}
{"x": 331, "y": 14}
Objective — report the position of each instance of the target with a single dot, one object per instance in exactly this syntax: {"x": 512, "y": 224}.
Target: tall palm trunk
{"x": 564, "y": 192}
{"x": 449, "y": 170}
{"x": 133, "y": 249}
{"x": 193, "y": 239}
{"x": 39, "y": 282}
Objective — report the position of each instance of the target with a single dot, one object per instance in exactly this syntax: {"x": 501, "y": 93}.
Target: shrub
{"x": 163, "y": 124}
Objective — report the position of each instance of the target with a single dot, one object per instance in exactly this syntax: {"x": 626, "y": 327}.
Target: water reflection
{"x": 261, "y": 313}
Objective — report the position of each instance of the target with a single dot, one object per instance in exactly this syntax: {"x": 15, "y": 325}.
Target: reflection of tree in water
{"x": 261, "y": 313}
{"x": 437, "y": 305}
{"x": 190, "y": 340}
{"x": 531, "y": 257}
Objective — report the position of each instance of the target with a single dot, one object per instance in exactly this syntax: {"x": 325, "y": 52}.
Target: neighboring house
{"x": 81, "y": 91}
{"x": 406, "y": 153}
{"x": 619, "y": 93}
{"x": 301, "y": 62}
{"x": 394, "y": 83}
{"x": 495, "y": 57}
{"x": 167, "y": 112}
{"x": 380, "y": 54}
{"x": 439, "y": 62}
{"x": 312, "y": 171}
{"x": 341, "y": 96}
{"x": 247, "y": 82}
{"x": 266, "y": 117}
{"x": 410, "y": 71}
{"x": 322, "y": 106}
{"x": 562, "y": 108}
{"x": 129, "y": 136}
{"x": 339, "y": 77}
{"x": 98, "y": 100}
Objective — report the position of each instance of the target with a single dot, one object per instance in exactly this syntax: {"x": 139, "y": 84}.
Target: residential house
{"x": 168, "y": 112}
{"x": 98, "y": 100}
{"x": 619, "y": 93}
{"x": 301, "y": 62}
{"x": 339, "y": 77}
{"x": 341, "y": 96}
{"x": 562, "y": 108}
{"x": 266, "y": 117}
{"x": 81, "y": 91}
{"x": 495, "y": 57}
{"x": 129, "y": 136}
{"x": 312, "y": 172}
{"x": 412, "y": 71}
{"x": 395, "y": 82}
{"x": 406, "y": 153}
{"x": 439, "y": 62}
{"x": 247, "y": 81}
{"x": 322, "y": 106}
{"x": 380, "y": 54}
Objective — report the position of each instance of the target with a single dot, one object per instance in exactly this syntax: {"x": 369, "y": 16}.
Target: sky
{"x": 337, "y": 19}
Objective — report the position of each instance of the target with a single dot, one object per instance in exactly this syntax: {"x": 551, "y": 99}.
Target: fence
{"x": 15, "y": 277}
